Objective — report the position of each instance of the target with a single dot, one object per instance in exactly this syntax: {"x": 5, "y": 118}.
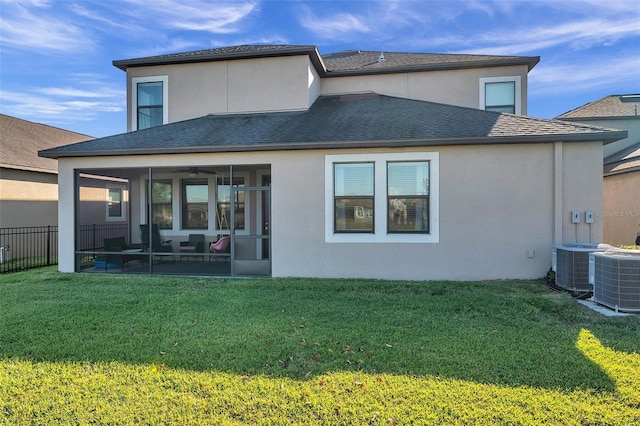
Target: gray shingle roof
{"x": 358, "y": 60}
{"x": 350, "y": 62}
{"x": 20, "y": 141}
{"x": 625, "y": 161}
{"x": 614, "y": 106}
{"x": 365, "y": 120}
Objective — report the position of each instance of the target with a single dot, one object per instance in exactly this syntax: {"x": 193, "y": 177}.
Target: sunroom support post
{"x": 232, "y": 224}
{"x": 149, "y": 215}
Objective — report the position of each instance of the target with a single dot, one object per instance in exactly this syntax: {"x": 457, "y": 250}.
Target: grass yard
{"x": 118, "y": 349}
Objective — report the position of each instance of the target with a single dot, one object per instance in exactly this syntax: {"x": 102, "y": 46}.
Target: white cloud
{"x": 222, "y": 17}
{"x": 69, "y": 92}
{"x": 585, "y": 76}
{"x": 39, "y": 28}
{"x": 65, "y": 104}
{"x": 335, "y": 26}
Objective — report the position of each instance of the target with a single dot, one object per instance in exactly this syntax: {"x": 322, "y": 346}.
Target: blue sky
{"x": 55, "y": 56}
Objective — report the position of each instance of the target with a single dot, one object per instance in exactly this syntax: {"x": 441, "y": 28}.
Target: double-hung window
{"x": 500, "y": 94}
{"x": 408, "y": 196}
{"x": 353, "y": 204}
{"x": 114, "y": 204}
{"x": 381, "y": 198}
{"x": 162, "y": 203}
{"x": 149, "y": 97}
{"x": 195, "y": 204}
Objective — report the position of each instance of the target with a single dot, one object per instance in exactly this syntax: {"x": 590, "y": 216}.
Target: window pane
{"x": 149, "y": 117}
{"x": 501, "y": 95}
{"x": 407, "y": 195}
{"x": 115, "y": 202}
{"x": 195, "y": 207}
{"x": 149, "y": 104}
{"x": 408, "y": 178}
{"x": 197, "y": 193}
{"x": 354, "y": 179}
{"x": 508, "y": 108}
{"x": 409, "y": 214}
{"x": 162, "y": 210}
{"x": 150, "y": 93}
{"x": 354, "y": 215}
{"x": 162, "y": 216}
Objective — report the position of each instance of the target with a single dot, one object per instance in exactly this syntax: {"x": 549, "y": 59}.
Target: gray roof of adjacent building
{"x": 609, "y": 107}
{"x": 364, "y": 120}
{"x": 624, "y": 161}
{"x": 20, "y": 141}
{"x": 349, "y": 62}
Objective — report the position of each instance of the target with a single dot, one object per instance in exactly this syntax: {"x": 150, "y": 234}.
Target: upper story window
{"x": 500, "y": 94}
{"x": 377, "y": 198}
{"x": 149, "y": 99}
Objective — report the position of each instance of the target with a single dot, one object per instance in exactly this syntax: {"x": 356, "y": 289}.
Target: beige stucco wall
{"x": 454, "y": 87}
{"x": 621, "y": 208}
{"x": 497, "y": 211}
{"x": 292, "y": 83}
{"x": 267, "y": 84}
{"x": 582, "y": 191}
{"x": 28, "y": 198}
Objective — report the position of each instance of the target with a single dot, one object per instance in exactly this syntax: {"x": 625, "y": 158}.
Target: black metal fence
{"x": 36, "y": 246}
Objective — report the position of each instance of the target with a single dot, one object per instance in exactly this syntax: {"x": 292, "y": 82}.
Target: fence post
{"x": 48, "y": 245}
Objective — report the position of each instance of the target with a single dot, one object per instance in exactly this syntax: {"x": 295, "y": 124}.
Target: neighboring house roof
{"x": 350, "y": 62}
{"x": 609, "y": 107}
{"x": 20, "y": 141}
{"x": 623, "y": 162}
{"x": 346, "y": 121}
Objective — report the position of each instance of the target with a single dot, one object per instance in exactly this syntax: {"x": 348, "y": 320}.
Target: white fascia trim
{"x": 515, "y": 78}
{"x": 134, "y": 97}
{"x": 380, "y": 234}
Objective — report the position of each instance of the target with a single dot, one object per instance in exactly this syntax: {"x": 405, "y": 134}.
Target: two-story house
{"x": 353, "y": 164}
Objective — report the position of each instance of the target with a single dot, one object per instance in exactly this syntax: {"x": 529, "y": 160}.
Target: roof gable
{"x": 347, "y": 121}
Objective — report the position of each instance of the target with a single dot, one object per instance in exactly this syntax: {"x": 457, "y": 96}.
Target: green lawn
{"x": 118, "y": 349}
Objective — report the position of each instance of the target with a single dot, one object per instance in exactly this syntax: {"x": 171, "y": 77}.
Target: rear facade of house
{"x": 354, "y": 164}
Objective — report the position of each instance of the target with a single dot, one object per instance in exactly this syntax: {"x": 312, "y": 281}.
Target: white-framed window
{"x": 382, "y": 197}
{"x": 501, "y": 94}
{"x": 162, "y": 202}
{"x": 149, "y": 98}
{"x": 195, "y": 204}
{"x": 115, "y": 204}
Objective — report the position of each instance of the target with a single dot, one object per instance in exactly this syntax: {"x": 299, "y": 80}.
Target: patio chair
{"x": 194, "y": 245}
{"x": 125, "y": 253}
{"x": 158, "y": 246}
{"x": 220, "y": 248}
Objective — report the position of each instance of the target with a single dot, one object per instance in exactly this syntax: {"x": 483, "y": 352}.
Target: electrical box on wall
{"x": 575, "y": 216}
{"x": 588, "y": 216}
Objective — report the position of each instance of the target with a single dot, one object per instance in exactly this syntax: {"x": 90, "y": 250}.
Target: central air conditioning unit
{"x": 615, "y": 276}
{"x": 570, "y": 262}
